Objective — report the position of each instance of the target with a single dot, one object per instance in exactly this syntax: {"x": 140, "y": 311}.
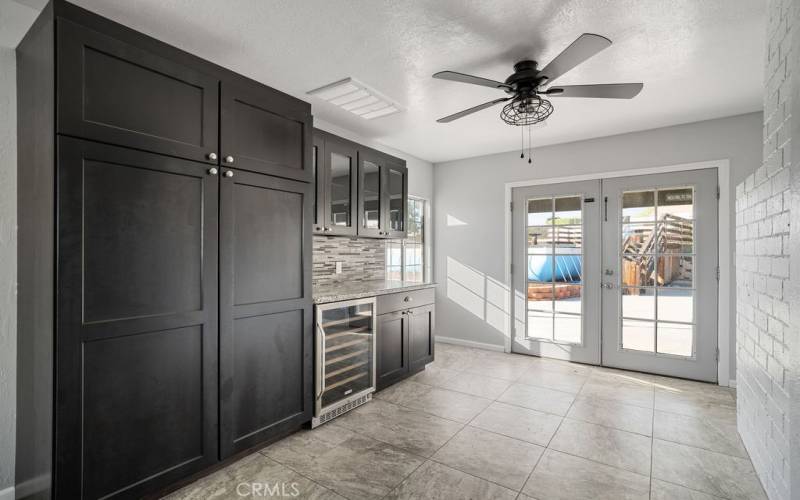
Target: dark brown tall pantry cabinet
{"x": 165, "y": 211}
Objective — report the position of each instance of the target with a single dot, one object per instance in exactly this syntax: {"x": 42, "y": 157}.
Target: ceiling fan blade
{"x": 580, "y": 50}
{"x": 602, "y": 91}
{"x": 455, "y": 76}
{"x": 462, "y": 114}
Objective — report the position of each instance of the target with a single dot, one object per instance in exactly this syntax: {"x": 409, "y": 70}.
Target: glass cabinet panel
{"x": 341, "y": 195}
{"x": 345, "y": 351}
{"x": 396, "y": 186}
{"x": 371, "y": 193}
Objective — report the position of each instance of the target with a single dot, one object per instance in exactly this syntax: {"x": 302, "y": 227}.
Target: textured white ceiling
{"x": 698, "y": 59}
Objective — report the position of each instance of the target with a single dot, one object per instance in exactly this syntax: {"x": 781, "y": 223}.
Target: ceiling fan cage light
{"x": 526, "y": 111}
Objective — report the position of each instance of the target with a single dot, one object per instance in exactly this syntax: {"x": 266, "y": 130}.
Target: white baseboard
{"x": 470, "y": 343}
{"x": 732, "y": 383}
{"x": 7, "y": 494}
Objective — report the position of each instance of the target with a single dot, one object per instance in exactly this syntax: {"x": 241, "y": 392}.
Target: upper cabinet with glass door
{"x": 336, "y": 174}
{"x": 396, "y": 202}
{"x": 382, "y": 195}
{"x": 360, "y": 191}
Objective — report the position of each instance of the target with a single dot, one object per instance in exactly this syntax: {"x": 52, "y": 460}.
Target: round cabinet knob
{"x": 213, "y": 171}
{"x": 212, "y": 156}
{"x": 327, "y": 229}
{"x": 407, "y": 299}
{"x": 229, "y": 173}
{"x": 229, "y": 159}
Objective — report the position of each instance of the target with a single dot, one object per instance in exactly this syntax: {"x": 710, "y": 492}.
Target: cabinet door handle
{"x": 229, "y": 173}
{"x": 212, "y": 156}
{"x": 229, "y": 159}
{"x": 213, "y": 171}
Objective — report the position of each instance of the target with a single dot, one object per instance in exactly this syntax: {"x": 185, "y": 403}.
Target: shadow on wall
{"x": 488, "y": 300}
{"x": 482, "y": 296}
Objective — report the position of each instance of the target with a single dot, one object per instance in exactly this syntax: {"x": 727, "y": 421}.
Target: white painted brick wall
{"x": 762, "y": 272}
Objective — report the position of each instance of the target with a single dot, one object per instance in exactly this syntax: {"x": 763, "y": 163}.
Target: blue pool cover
{"x": 567, "y": 268}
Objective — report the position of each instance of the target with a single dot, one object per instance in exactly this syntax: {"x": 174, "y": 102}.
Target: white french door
{"x": 660, "y": 274}
{"x": 620, "y": 272}
{"x": 556, "y": 271}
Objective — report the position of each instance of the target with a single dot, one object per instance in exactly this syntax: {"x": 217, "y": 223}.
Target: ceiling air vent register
{"x": 357, "y": 98}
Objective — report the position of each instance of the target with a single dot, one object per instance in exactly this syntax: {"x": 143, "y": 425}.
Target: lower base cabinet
{"x": 405, "y": 338}
{"x": 392, "y": 348}
{"x": 420, "y": 339}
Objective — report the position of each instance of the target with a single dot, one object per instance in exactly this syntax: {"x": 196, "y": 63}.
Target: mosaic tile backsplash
{"x": 362, "y": 259}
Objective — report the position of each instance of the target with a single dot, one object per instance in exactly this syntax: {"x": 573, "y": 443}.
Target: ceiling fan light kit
{"x": 525, "y": 86}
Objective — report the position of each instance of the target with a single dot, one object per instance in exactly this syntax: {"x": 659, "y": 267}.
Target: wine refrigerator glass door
{"x": 345, "y": 352}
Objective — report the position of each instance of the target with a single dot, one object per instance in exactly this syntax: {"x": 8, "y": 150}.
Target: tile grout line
{"x": 261, "y": 452}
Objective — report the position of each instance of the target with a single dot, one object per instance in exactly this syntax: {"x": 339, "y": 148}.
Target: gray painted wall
{"x": 8, "y": 264}
{"x": 469, "y": 207}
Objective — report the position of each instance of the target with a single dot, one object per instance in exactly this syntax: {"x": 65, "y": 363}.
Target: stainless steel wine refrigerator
{"x": 345, "y": 357}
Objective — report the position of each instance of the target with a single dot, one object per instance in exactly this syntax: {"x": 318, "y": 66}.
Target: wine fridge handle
{"x": 320, "y": 361}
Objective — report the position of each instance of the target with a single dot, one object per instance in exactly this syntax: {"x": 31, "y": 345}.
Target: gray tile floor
{"x": 478, "y": 424}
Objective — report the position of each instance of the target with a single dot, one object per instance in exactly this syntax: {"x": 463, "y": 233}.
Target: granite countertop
{"x": 335, "y": 292}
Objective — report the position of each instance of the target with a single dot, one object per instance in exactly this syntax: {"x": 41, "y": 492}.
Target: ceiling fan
{"x": 525, "y": 85}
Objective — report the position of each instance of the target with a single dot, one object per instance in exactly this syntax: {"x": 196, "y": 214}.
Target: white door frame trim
{"x": 723, "y": 245}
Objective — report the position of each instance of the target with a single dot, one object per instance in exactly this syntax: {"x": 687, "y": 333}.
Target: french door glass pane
{"x": 567, "y": 211}
{"x": 554, "y": 268}
{"x": 638, "y": 206}
{"x": 540, "y": 325}
{"x": 637, "y": 238}
{"x": 675, "y": 203}
{"x": 638, "y": 335}
{"x": 678, "y": 236}
{"x": 675, "y": 271}
{"x": 676, "y": 304}
{"x": 656, "y": 273}
{"x": 675, "y": 338}
{"x": 567, "y": 328}
{"x": 638, "y": 270}
{"x": 540, "y": 237}
{"x": 540, "y": 212}
{"x": 639, "y": 303}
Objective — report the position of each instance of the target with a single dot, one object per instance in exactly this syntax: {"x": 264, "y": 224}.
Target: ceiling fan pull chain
{"x": 521, "y": 142}
{"x": 530, "y": 145}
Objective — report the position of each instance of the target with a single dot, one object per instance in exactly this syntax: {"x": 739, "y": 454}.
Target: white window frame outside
{"x": 392, "y": 245}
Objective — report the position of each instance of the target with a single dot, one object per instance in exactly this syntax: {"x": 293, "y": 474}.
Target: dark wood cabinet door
{"x": 318, "y": 168}
{"x": 265, "y": 131}
{"x": 371, "y": 193}
{"x": 392, "y": 348}
{"x": 395, "y": 210}
{"x": 341, "y": 186}
{"x": 265, "y": 308}
{"x": 136, "y": 376}
{"x": 421, "y": 337}
{"x": 114, "y": 92}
